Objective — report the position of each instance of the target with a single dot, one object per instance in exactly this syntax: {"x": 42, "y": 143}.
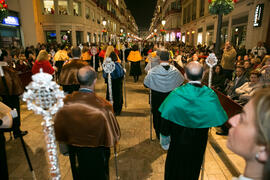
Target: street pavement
{"x": 138, "y": 157}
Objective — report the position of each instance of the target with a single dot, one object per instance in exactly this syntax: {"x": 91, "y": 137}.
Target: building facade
{"x": 247, "y": 24}
{"x": 72, "y": 21}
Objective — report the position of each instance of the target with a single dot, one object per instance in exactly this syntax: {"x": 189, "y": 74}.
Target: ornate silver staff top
{"x": 108, "y": 67}
{"x": 44, "y": 97}
{"x": 211, "y": 61}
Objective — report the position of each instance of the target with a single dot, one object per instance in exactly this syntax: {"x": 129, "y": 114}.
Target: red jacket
{"x": 45, "y": 65}
{"x": 102, "y": 53}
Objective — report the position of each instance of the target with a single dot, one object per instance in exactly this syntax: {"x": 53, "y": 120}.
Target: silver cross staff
{"x": 44, "y": 97}
{"x": 211, "y": 61}
{"x": 109, "y": 67}
{"x": 124, "y": 65}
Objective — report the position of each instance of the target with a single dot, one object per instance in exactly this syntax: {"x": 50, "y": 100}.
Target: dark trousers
{"x": 157, "y": 100}
{"x": 117, "y": 93}
{"x": 89, "y": 163}
{"x": 14, "y": 102}
{"x": 3, "y": 157}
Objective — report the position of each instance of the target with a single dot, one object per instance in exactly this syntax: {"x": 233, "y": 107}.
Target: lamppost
{"x": 121, "y": 33}
{"x": 104, "y": 22}
{"x": 163, "y": 22}
{"x": 155, "y": 30}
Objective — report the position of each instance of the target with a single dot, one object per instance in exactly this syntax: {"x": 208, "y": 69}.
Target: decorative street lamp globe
{"x": 163, "y": 22}
{"x": 155, "y": 30}
{"x": 104, "y": 22}
{"x": 121, "y": 31}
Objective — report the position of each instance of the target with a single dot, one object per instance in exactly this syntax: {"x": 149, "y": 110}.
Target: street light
{"x": 104, "y": 22}
{"x": 121, "y": 31}
{"x": 163, "y": 22}
{"x": 155, "y": 30}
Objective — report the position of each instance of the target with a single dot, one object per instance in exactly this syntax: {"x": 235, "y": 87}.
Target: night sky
{"x": 142, "y": 11}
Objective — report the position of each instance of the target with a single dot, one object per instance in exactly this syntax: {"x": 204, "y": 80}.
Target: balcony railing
{"x": 172, "y": 11}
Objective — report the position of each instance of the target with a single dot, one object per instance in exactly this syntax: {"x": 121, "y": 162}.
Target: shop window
{"x": 239, "y": 35}
{"x": 76, "y": 8}
{"x": 63, "y": 7}
{"x": 79, "y": 37}
{"x": 48, "y": 6}
{"x": 66, "y": 37}
{"x": 199, "y": 39}
{"x": 50, "y": 36}
{"x": 87, "y": 13}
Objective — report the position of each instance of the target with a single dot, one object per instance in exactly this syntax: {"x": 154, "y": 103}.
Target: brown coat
{"x": 86, "y": 120}
{"x": 228, "y": 59}
{"x": 68, "y": 75}
{"x": 14, "y": 83}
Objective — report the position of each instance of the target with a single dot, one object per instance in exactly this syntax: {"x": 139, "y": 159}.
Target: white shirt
{"x": 241, "y": 177}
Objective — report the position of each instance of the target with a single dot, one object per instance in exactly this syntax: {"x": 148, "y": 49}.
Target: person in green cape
{"x": 188, "y": 112}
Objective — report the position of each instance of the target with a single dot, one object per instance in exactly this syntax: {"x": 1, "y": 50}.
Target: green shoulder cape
{"x": 193, "y": 107}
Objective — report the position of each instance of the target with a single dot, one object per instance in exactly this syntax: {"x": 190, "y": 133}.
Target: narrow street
{"x": 138, "y": 157}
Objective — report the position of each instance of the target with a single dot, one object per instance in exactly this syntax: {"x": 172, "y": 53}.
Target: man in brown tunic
{"x": 88, "y": 126}
{"x": 68, "y": 75}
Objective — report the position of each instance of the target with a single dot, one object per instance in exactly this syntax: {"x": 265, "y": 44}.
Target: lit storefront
{"x": 10, "y": 33}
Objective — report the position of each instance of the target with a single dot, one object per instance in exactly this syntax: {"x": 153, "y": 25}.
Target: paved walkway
{"x": 138, "y": 158}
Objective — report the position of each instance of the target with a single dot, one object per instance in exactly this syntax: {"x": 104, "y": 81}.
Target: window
{"x": 76, "y": 8}
{"x": 188, "y": 13}
{"x": 185, "y": 16}
{"x": 194, "y": 9}
{"x": 48, "y": 6}
{"x": 202, "y": 8}
{"x": 87, "y": 12}
{"x": 50, "y": 36}
{"x": 117, "y": 2}
{"x": 63, "y": 7}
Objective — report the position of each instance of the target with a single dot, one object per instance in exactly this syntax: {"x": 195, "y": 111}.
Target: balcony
{"x": 172, "y": 11}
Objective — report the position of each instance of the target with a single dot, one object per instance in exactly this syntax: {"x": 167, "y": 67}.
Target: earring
{"x": 257, "y": 156}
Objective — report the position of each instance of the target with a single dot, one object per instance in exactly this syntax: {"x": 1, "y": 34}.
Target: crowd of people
{"x": 183, "y": 107}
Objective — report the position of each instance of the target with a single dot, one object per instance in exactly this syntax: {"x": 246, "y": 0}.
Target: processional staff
{"x": 44, "y": 97}
{"x": 124, "y": 66}
{"x": 211, "y": 61}
{"x": 108, "y": 67}
{"x": 94, "y": 52}
{"x": 150, "y": 100}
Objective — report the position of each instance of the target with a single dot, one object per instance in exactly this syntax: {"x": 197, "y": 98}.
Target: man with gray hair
{"x": 188, "y": 112}
{"x": 88, "y": 126}
{"x": 162, "y": 79}
{"x": 68, "y": 76}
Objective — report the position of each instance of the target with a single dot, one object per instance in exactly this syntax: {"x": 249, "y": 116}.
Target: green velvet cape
{"x": 193, "y": 107}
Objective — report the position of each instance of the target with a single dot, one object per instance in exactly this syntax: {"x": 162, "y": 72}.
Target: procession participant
{"x": 135, "y": 57}
{"x": 68, "y": 76}
{"x": 86, "y": 124}
{"x": 86, "y": 54}
{"x": 117, "y": 85}
{"x": 11, "y": 89}
{"x": 153, "y": 58}
{"x": 59, "y": 58}
{"x": 161, "y": 79}
{"x": 188, "y": 112}
{"x": 109, "y": 50}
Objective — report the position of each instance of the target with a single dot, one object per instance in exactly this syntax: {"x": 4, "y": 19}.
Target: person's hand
{"x": 265, "y": 67}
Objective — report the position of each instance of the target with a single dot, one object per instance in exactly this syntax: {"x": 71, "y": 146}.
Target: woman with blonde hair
{"x": 109, "y": 50}
{"x": 249, "y": 136}
{"x": 42, "y": 61}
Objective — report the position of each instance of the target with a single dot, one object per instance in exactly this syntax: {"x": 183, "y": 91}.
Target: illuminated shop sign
{"x": 11, "y": 20}
{"x": 258, "y": 15}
